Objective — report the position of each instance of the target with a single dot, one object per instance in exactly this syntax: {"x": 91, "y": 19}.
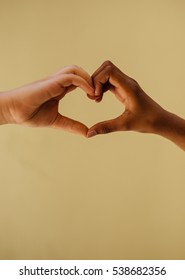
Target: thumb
{"x": 109, "y": 126}
{"x": 70, "y": 125}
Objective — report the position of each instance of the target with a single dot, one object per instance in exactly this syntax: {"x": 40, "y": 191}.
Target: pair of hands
{"x": 36, "y": 104}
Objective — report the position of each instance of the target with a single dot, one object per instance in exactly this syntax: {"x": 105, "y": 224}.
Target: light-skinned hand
{"x": 36, "y": 104}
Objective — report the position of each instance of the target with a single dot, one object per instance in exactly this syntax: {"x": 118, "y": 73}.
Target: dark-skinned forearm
{"x": 171, "y": 127}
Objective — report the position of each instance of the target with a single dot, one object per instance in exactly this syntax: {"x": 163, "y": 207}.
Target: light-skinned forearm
{"x": 4, "y": 111}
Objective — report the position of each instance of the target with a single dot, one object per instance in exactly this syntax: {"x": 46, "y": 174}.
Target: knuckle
{"x": 109, "y": 66}
{"x": 105, "y": 130}
{"x": 134, "y": 86}
{"x": 71, "y": 79}
{"x": 74, "y": 66}
{"x": 108, "y": 63}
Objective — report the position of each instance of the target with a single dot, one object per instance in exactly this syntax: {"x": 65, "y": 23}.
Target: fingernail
{"x": 91, "y": 133}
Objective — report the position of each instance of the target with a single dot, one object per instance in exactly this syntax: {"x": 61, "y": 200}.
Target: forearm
{"x": 171, "y": 127}
{"x": 4, "y": 109}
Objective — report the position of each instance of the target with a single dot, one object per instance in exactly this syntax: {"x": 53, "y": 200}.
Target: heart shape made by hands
{"x": 138, "y": 109}
{"x": 90, "y": 113}
{"x": 37, "y": 104}
{"x": 106, "y": 78}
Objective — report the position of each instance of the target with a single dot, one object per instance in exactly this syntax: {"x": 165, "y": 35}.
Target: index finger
{"x": 76, "y": 70}
{"x": 67, "y": 80}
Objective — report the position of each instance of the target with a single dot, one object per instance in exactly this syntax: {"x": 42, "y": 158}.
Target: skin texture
{"x": 36, "y": 104}
{"x": 141, "y": 113}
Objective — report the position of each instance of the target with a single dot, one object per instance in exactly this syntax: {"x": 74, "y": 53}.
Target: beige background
{"x": 117, "y": 196}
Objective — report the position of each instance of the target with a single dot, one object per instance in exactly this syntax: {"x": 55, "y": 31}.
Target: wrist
{"x": 162, "y": 122}
{"x": 171, "y": 127}
{"x": 5, "y": 116}
{"x": 166, "y": 123}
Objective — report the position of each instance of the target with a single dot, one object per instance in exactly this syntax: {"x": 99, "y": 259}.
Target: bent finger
{"x": 101, "y": 80}
{"x": 68, "y": 80}
{"x": 76, "y": 70}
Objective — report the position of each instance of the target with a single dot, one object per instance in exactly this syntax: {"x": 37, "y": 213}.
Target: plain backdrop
{"x": 116, "y": 196}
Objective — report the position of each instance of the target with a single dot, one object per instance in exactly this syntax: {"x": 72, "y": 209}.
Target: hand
{"x": 36, "y": 104}
{"x": 141, "y": 113}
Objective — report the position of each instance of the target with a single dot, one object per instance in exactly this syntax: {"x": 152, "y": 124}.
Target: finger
{"x": 56, "y": 87}
{"x": 68, "y": 89}
{"x": 91, "y": 97}
{"x": 101, "y": 81}
{"x": 70, "y": 81}
{"x": 98, "y": 85}
{"x": 97, "y": 99}
{"x": 109, "y": 126}
{"x": 109, "y": 77}
{"x": 101, "y": 78}
{"x": 70, "y": 125}
{"x": 76, "y": 70}
{"x": 103, "y": 66}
